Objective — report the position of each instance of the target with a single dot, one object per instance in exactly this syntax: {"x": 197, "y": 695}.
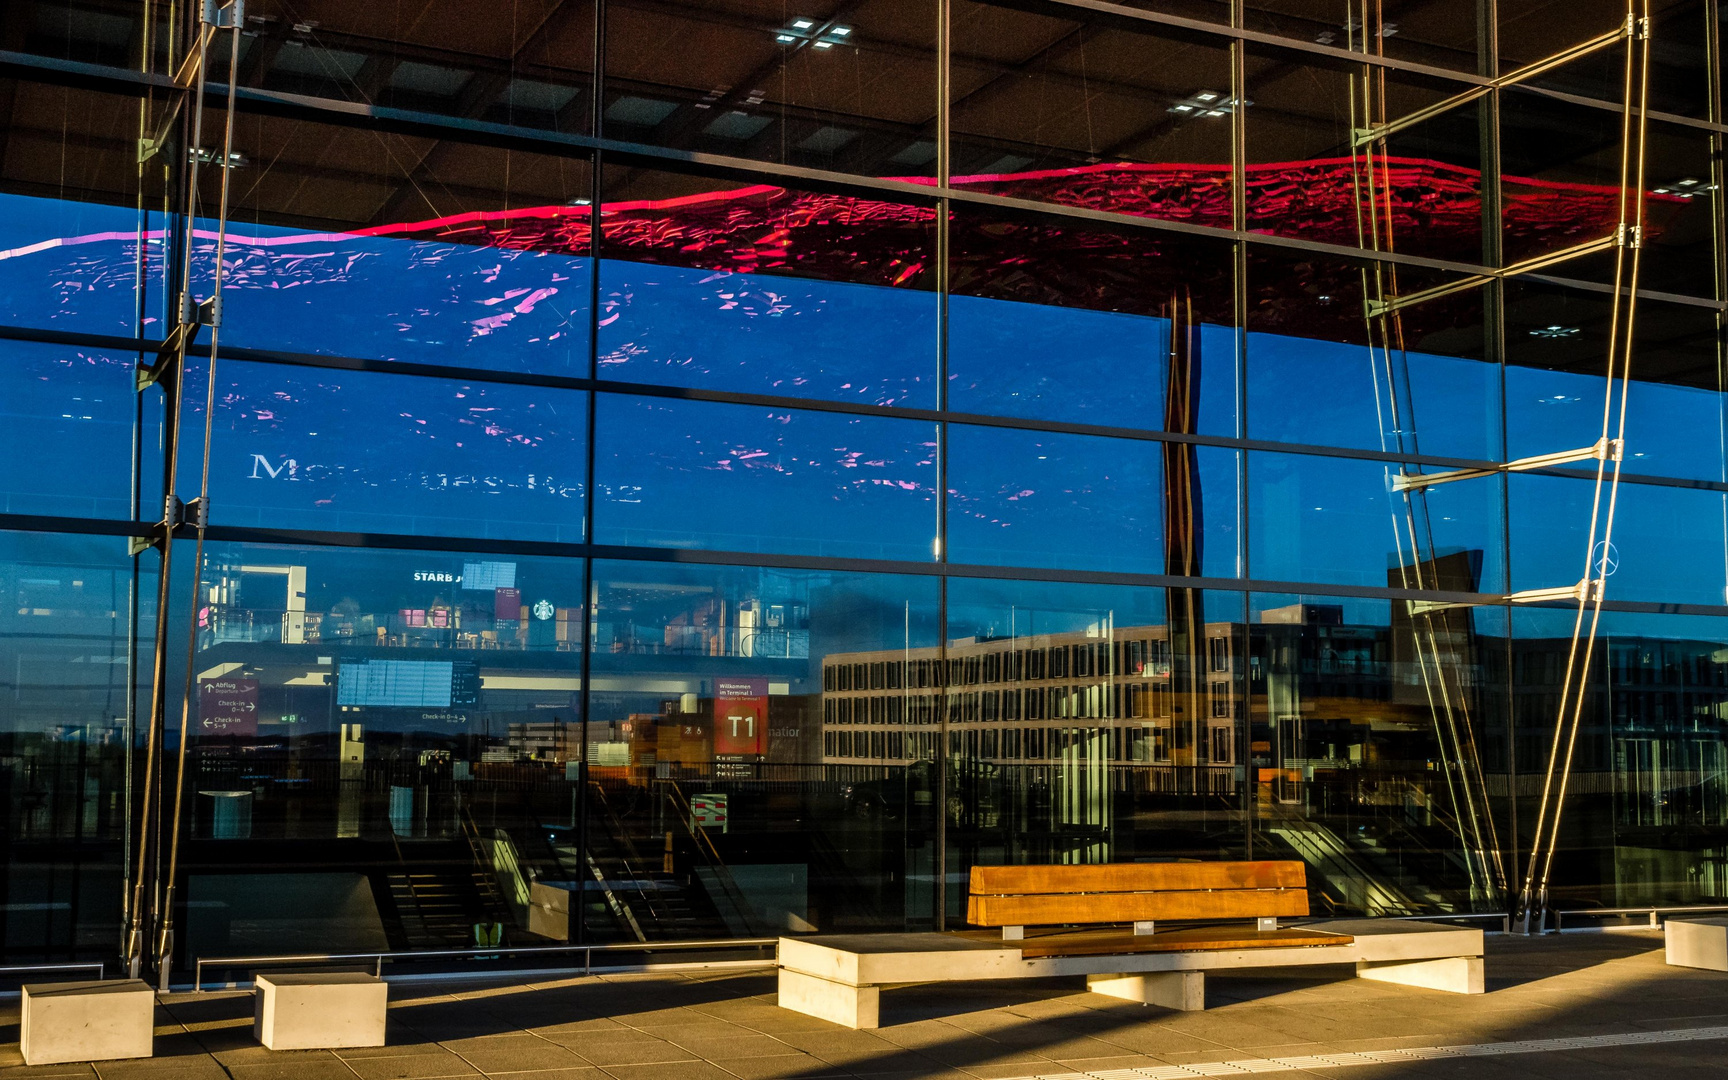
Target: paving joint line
{"x": 1404, "y": 1055}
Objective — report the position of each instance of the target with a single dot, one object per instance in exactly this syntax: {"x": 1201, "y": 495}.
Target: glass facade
{"x": 718, "y": 470}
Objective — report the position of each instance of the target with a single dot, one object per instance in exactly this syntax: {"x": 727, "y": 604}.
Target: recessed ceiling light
{"x": 1183, "y": 108}
{"x": 1206, "y": 95}
{"x": 784, "y": 38}
{"x": 802, "y": 24}
{"x": 824, "y": 44}
{"x": 1214, "y": 112}
{"x": 841, "y": 31}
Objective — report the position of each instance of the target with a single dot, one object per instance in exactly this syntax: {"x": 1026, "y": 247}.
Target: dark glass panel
{"x": 353, "y": 451}
{"x": 358, "y": 243}
{"x": 1560, "y": 183}
{"x": 1093, "y": 724}
{"x": 1668, "y": 541}
{"x": 1649, "y": 818}
{"x": 529, "y": 64}
{"x": 1440, "y": 35}
{"x": 1534, "y": 30}
{"x": 1336, "y": 521}
{"x": 767, "y": 290}
{"x": 1104, "y": 116}
{"x": 1557, "y": 348}
{"x": 1419, "y": 193}
{"x": 803, "y": 705}
{"x": 692, "y": 474}
{"x": 1320, "y": 372}
{"x": 63, "y": 734}
{"x": 827, "y": 85}
{"x": 66, "y": 423}
{"x": 1564, "y": 157}
{"x": 1681, "y": 208}
{"x": 1063, "y": 322}
{"x": 1372, "y": 739}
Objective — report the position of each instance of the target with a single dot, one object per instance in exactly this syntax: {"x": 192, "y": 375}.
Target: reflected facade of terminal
{"x": 623, "y": 510}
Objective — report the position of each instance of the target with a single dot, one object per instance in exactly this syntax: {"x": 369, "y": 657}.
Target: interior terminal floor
{"x": 1614, "y": 1007}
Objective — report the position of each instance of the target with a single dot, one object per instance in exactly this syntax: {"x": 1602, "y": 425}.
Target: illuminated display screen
{"x": 486, "y": 576}
{"x": 407, "y": 684}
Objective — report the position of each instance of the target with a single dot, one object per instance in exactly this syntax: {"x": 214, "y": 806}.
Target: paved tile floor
{"x": 726, "y": 1027}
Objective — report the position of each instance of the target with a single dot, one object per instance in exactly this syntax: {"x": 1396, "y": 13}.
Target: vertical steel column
{"x": 596, "y": 190}
{"x": 939, "y": 797}
{"x": 1239, "y": 306}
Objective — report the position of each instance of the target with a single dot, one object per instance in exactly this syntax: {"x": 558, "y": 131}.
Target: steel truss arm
{"x": 1601, "y": 450}
{"x": 1363, "y": 136}
{"x": 1620, "y": 237}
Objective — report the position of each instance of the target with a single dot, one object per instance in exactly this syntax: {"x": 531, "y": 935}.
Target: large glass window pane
{"x": 1055, "y": 321}
{"x": 695, "y": 474}
{"x": 1557, "y": 343}
{"x": 796, "y": 712}
{"x": 1077, "y": 502}
{"x": 400, "y": 729}
{"x": 1420, "y": 195}
{"x": 1668, "y": 542}
{"x": 355, "y": 451}
{"x": 66, "y": 422}
{"x": 64, "y": 632}
{"x": 1320, "y": 372}
{"x": 360, "y": 243}
{"x": 1336, "y": 521}
{"x": 1649, "y": 768}
{"x": 70, "y": 232}
{"x": 836, "y": 304}
{"x": 850, "y": 87}
{"x": 1092, "y": 724}
{"x": 1105, "y": 116}
{"x": 1375, "y": 745}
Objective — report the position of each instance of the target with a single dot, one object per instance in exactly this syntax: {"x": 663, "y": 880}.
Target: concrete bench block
{"x": 1184, "y": 991}
{"x": 87, "y": 1021}
{"x": 1456, "y": 975}
{"x": 856, "y": 1007}
{"x": 320, "y": 1012}
{"x": 1700, "y": 942}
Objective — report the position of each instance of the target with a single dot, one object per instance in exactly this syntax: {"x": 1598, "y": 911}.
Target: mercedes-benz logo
{"x": 1604, "y": 558}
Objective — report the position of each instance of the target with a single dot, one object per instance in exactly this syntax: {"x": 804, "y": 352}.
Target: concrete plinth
{"x": 857, "y": 1007}
{"x": 87, "y": 1021}
{"x": 1457, "y": 975}
{"x": 320, "y": 1012}
{"x": 1700, "y": 942}
{"x": 1181, "y": 990}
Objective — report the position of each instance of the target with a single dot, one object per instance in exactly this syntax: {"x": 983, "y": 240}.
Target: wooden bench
{"x": 1040, "y": 921}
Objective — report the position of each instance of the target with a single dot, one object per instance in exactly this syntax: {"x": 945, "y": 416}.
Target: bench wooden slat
{"x": 1118, "y": 942}
{"x": 1137, "y": 877}
{"x": 1121, "y": 907}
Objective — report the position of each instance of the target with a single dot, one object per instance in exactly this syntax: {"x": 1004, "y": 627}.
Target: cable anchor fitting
{"x": 229, "y": 16}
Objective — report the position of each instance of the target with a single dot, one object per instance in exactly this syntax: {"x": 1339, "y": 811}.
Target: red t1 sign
{"x": 740, "y": 716}
{"x": 227, "y": 706}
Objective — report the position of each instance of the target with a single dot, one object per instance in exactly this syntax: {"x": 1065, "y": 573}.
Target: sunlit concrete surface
{"x": 663, "y": 1027}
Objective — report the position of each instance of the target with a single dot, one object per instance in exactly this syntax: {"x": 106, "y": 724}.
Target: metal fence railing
{"x": 378, "y": 960}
